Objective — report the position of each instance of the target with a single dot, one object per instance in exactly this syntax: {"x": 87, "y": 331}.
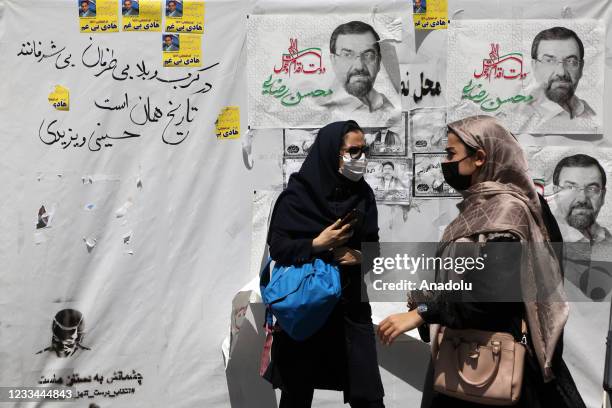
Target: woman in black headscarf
{"x": 305, "y": 225}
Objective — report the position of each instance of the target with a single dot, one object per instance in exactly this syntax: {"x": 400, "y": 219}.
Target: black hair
{"x": 469, "y": 149}
{"x": 555, "y": 33}
{"x": 351, "y": 125}
{"x": 353, "y": 27}
{"x": 389, "y": 163}
{"x": 578, "y": 160}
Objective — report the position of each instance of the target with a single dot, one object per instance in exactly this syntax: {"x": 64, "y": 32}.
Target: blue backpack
{"x": 300, "y": 297}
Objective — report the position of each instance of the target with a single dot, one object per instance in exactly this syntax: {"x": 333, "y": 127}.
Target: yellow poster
{"x": 227, "y": 125}
{"x": 430, "y": 14}
{"x": 185, "y": 16}
{"x": 182, "y": 50}
{"x": 60, "y": 98}
{"x": 141, "y": 15}
{"x": 98, "y": 16}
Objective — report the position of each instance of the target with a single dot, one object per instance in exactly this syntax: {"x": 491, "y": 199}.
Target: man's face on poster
{"x": 417, "y": 4}
{"x": 356, "y": 62}
{"x": 84, "y": 6}
{"x": 171, "y": 6}
{"x": 168, "y": 41}
{"x": 580, "y": 205}
{"x": 558, "y": 68}
{"x": 127, "y": 4}
{"x": 387, "y": 171}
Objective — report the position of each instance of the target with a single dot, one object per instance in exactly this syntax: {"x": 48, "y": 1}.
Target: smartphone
{"x": 350, "y": 216}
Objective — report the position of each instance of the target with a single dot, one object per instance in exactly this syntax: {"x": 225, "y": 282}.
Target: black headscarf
{"x": 317, "y": 195}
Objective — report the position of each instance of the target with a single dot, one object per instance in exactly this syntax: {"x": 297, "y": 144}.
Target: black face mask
{"x": 450, "y": 170}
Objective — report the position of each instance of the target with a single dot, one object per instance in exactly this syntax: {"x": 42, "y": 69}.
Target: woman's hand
{"x": 396, "y": 324}
{"x": 333, "y": 236}
{"x": 347, "y": 256}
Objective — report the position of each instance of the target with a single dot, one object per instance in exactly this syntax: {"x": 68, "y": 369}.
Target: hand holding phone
{"x": 349, "y": 217}
{"x": 337, "y": 234}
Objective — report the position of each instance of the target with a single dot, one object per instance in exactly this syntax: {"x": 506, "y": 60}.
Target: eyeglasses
{"x": 569, "y": 62}
{"x": 355, "y": 151}
{"x": 589, "y": 191}
{"x": 350, "y": 55}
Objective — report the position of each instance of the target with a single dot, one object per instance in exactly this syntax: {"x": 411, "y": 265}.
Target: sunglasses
{"x": 355, "y": 151}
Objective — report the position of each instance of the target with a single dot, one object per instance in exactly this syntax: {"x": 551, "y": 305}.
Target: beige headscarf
{"x": 503, "y": 198}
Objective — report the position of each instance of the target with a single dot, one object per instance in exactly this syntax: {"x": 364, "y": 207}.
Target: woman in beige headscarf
{"x": 486, "y": 164}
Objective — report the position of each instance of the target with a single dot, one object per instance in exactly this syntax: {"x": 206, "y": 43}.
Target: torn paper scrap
{"x": 43, "y": 218}
{"x": 122, "y": 211}
{"x": 90, "y": 243}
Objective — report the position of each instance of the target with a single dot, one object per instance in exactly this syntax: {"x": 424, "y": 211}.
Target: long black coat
{"x": 504, "y": 317}
{"x": 342, "y": 354}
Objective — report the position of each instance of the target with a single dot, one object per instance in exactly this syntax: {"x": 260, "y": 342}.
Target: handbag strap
{"x": 523, "y": 341}
{"x": 524, "y": 332}
{"x": 496, "y": 357}
{"x": 496, "y": 351}
{"x": 264, "y": 361}
{"x": 264, "y": 275}
{"x": 264, "y": 279}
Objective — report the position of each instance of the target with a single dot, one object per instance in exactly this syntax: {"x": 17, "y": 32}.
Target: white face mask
{"x": 353, "y": 169}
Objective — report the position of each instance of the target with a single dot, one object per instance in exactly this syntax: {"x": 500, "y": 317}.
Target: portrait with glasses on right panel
{"x": 557, "y": 56}
{"x": 575, "y": 185}
{"x": 565, "y": 74}
{"x": 579, "y": 184}
{"x": 537, "y": 77}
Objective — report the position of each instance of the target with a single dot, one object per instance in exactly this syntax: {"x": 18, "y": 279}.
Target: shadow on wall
{"x": 407, "y": 360}
{"x": 246, "y": 388}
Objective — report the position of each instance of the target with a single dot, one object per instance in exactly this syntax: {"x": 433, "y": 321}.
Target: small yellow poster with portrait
{"x": 182, "y": 50}
{"x": 98, "y": 16}
{"x": 185, "y": 16}
{"x": 227, "y": 125}
{"x": 430, "y": 14}
{"x": 141, "y": 15}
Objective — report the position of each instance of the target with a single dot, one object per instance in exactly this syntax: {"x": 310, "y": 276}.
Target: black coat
{"x": 342, "y": 354}
{"x": 505, "y": 317}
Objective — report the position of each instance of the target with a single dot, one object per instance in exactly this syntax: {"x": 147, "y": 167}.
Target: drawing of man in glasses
{"x": 356, "y": 58}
